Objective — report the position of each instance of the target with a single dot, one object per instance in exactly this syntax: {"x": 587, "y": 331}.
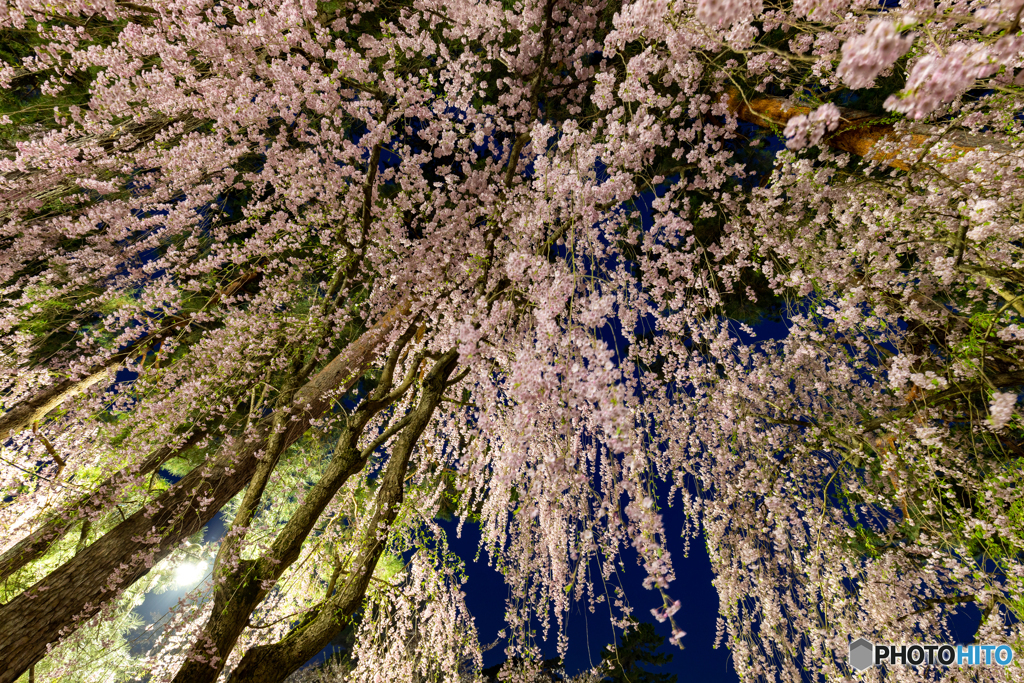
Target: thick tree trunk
{"x": 274, "y": 663}
{"x": 859, "y": 131}
{"x": 238, "y": 591}
{"x": 76, "y": 590}
{"x": 36, "y": 544}
{"x": 241, "y": 592}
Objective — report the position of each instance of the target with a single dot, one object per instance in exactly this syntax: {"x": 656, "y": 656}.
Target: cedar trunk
{"x": 76, "y": 590}
{"x": 39, "y": 542}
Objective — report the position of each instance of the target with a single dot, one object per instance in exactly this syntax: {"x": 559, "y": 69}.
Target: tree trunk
{"x": 241, "y": 589}
{"x": 76, "y": 590}
{"x": 274, "y": 663}
{"x": 242, "y": 592}
{"x": 39, "y": 542}
{"x": 859, "y": 131}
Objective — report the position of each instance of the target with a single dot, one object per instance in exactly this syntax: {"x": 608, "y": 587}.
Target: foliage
{"x": 624, "y": 663}
{"x": 336, "y": 270}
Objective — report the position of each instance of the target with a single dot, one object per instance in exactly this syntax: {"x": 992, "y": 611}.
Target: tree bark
{"x": 76, "y": 590}
{"x": 239, "y": 591}
{"x": 39, "y": 542}
{"x": 859, "y": 131}
{"x": 274, "y": 663}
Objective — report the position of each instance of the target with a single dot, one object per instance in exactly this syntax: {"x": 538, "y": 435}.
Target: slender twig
{"x": 61, "y": 463}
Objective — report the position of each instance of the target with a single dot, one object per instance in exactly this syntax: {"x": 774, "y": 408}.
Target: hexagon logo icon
{"x": 861, "y": 655}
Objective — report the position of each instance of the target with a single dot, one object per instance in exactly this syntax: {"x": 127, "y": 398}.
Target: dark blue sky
{"x": 590, "y": 633}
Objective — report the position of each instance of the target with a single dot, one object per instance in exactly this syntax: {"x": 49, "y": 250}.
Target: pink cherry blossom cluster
{"x": 867, "y": 55}
{"x": 725, "y": 13}
{"x": 936, "y": 80}
{"x": 809, "y": 129}
{"x": 1001, "y": 409}
{"x": 819, "y": 10}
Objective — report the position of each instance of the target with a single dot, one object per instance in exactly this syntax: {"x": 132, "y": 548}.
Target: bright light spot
{"x": 190, "y": 574}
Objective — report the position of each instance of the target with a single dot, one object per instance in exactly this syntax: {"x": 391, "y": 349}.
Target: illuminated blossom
{"x": 725, "y": 13}
{"x": 500, "y": 263}
{"x": 936, "y": 80}
{"x": 817, "y": 10}
{"x": 810, "y": 128}
{"x": 1001, "y": 409}
{"x": 867, "y": 55}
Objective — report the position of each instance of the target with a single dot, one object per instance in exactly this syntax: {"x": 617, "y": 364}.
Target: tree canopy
{"x": 336, "y": 270}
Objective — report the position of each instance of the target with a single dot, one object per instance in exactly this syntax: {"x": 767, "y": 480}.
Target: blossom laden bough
{"x": 370, "y": 264}
{"x": 810, "y": 129}
{"x": 868, "y": 55}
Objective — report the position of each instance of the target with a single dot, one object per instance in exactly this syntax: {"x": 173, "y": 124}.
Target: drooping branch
{"x": 31, "y": 411}
{"x": 1010, "y": 379}
{"x": 33, "y": 183}
{"x": 539, "y": 79}
{"x": 42, "y": 403}
{"x": 34, "y": 409}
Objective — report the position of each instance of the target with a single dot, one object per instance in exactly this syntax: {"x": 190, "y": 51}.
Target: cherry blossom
{"x": 338, "y": 270}
{"x": 867, "y": 55}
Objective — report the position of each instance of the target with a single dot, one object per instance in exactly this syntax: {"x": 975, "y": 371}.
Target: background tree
{"x": 627, "y": 661}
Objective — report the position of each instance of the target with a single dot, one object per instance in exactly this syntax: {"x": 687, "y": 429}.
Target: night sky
{"x": 590, "y": 633}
